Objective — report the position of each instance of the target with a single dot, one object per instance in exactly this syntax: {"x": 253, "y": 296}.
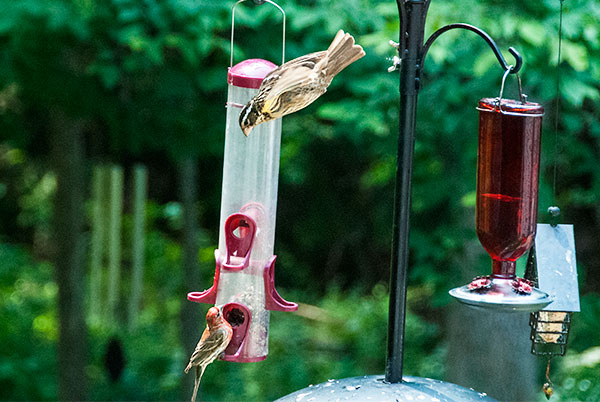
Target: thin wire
{"x": 233, "y": 30}
{"x": 548, "y": 371}
{"x": 283, "y": 34}
{"x": 506, "y": 72}
{"x": 557, "y": 103}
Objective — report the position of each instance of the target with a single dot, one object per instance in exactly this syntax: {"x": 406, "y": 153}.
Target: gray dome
{"x": 373, "y": 388}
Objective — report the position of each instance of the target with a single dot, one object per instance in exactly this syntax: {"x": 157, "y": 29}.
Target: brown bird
{"x": 299, "y": 82}
{"x": 212, "y": 344}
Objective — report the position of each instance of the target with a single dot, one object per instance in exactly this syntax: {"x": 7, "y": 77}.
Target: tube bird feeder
{"x": 244, "y": 262}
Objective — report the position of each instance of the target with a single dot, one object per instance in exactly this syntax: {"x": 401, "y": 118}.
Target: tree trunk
{"x": 98, "y": 240}
{"x": 68, "y": 158}
{"x": 115, "y": 215}
{"x": 140, "y": 190}
{"x": 191, "y": 317}
{"x": 490, "y": 352}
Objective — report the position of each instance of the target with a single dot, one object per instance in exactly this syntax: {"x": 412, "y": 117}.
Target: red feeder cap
{"x": 512, "y": 106}
{"x": 249, "y": 73}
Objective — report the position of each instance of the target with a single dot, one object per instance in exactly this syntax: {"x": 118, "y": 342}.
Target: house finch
{"x": 299, "y": 82}
{"x": 212, "y": 344}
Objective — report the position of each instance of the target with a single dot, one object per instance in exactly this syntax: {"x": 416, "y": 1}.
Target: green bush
{"x": 28, "y": 327}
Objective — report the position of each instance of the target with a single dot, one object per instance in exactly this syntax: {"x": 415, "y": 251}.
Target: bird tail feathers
{"x": 199, "y": 372}
{"x": 342, "y": 52}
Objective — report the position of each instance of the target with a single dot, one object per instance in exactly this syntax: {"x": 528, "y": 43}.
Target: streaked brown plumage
{"x": 212, "y": 344}
{"x": 299, "y": 82}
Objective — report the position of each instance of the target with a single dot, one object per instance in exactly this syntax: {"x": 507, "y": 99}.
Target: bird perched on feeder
{"x": 299, "y": 82}
{"x": 212, "y": 344}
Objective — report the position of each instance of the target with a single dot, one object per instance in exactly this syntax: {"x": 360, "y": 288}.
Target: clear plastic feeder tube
{"x": 250, "y": 174}
{"x": 250, "y": 179}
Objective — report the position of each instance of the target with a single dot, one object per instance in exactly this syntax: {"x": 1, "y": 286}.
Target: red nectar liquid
{"x": 507, "y": 180}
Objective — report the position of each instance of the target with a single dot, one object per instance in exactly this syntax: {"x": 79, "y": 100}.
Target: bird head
{"x": 249, "y": 117}
{"x": 213, "y": 317}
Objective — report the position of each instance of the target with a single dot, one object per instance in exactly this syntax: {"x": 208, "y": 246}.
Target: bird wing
{"x": 210, "y": 347}
{"x": 294, "y": 74}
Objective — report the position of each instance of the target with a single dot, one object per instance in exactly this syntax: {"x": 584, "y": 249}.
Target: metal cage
{"x": 549, "y": 332}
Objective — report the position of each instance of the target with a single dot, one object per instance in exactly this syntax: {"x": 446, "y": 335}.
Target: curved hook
{"x": 518, "y": 60}
{"x": 257, "y": 2}
{"x": 511, "y": 69}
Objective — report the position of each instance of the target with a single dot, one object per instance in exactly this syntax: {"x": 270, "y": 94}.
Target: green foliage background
{"x": 148, "y": 77}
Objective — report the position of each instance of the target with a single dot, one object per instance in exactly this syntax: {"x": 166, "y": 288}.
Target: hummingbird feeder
{"x": 244, "y": 278}
{"x": 507, "y": 201}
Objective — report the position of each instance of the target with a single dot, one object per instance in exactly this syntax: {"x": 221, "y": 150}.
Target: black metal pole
{"x": 412, "y": 16}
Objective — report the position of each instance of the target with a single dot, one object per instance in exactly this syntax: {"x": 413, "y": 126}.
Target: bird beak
{"x": 246, "y": 130}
